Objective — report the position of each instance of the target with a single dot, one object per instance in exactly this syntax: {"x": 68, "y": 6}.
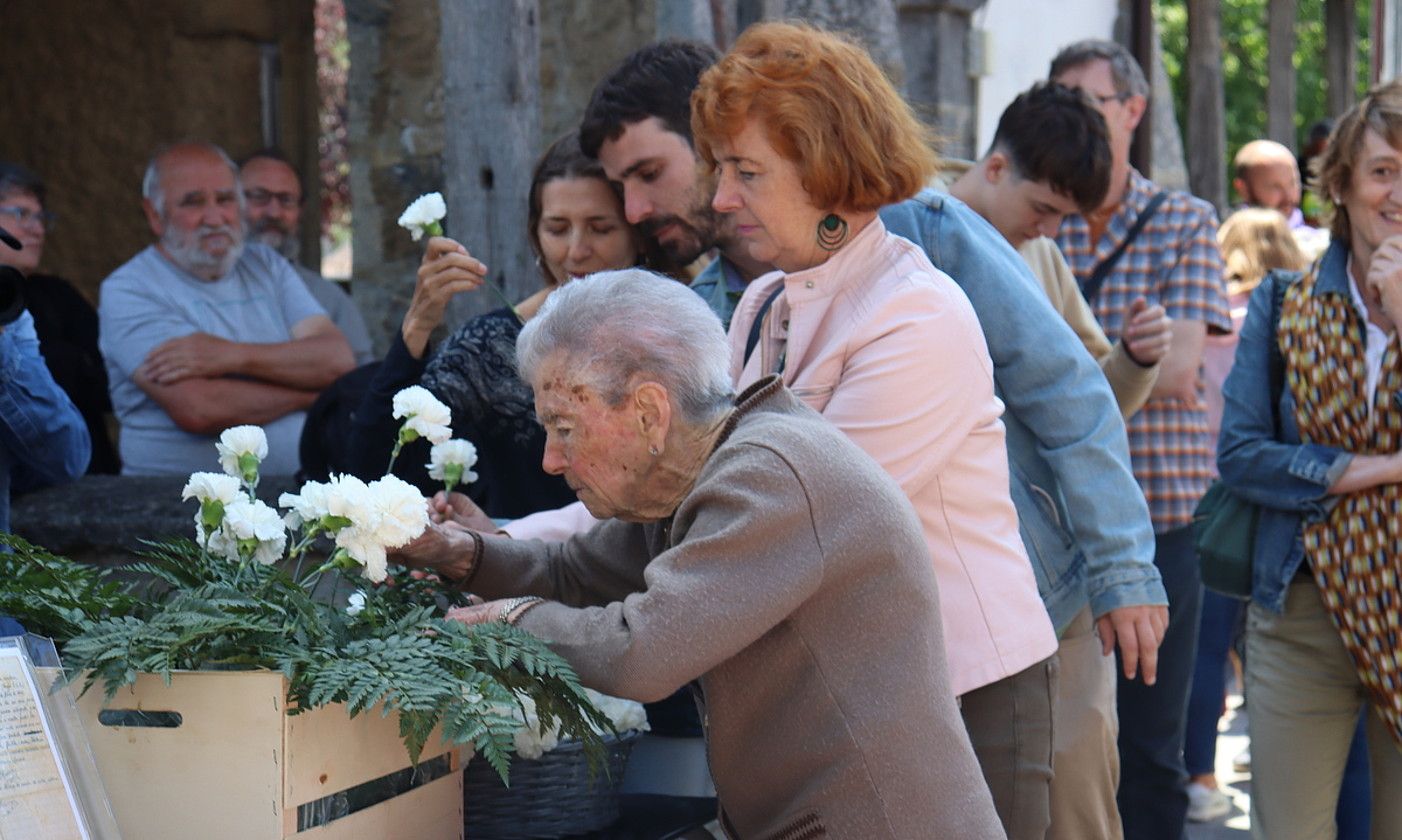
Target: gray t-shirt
{"x": 148, "y": 301}
{"x": 343, "y": 311}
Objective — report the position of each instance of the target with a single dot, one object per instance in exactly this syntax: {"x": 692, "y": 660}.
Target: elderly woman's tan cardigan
{"x": 793, "y": 581}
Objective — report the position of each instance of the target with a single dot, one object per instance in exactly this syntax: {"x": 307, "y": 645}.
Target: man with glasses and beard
{"x": 273, "y": 191}
{"x": 202, "y": 331}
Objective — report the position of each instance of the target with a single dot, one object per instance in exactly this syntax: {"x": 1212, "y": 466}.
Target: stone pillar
{"x": 686, "y": 19}
{"x": 940, "y": 81}
{"x": 491, "y": 70}
{"x": 394, "y": 126}
{"x": 872, "y": 22}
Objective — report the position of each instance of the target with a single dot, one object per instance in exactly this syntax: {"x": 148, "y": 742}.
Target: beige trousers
{"x": 1304, "y": 702}
{"x": 1085, "y": 757}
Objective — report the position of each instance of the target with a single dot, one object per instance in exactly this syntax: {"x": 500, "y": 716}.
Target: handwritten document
{"x": 36, "y": 799}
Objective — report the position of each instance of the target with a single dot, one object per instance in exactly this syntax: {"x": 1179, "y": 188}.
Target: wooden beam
{"x": 1280, "y": 71}
{"x": 491, "y": 103}
{"x": 1340, "y": 39}
{"x": 1207, "y": 134}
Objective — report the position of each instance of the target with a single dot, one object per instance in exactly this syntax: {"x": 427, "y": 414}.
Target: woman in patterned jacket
{"x": 1312, "y": 432}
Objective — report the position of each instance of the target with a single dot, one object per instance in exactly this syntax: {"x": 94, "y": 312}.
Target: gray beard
{"x": 197, "y": 262}
{"x": 289, "y": 245}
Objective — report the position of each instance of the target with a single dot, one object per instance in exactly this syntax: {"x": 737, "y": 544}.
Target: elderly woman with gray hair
{"x": 748, "y": 545}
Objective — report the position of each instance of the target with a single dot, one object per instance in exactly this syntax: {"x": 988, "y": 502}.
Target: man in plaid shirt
{"x": 1172, "y": 261}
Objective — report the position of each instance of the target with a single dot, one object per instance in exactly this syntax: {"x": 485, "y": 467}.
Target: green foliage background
{"x": 1244, "y": 63}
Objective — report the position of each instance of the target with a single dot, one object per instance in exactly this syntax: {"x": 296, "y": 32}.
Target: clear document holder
{"x": 50, "y": 788}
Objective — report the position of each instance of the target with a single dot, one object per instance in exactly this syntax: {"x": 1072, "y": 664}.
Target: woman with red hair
{"x": 809, "y": 140}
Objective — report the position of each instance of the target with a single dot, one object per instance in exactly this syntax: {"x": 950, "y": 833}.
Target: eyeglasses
{"x": 1114, "y": 97}
{"x": 24, "y": 217}
{"x": 262, "y": 198}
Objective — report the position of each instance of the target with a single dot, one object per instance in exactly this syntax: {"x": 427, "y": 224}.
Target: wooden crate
{"x": 238, "y": 766}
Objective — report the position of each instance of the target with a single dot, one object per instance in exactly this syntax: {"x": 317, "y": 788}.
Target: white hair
{"x": 151, "y": 182}
{"x": 618, "y": 326}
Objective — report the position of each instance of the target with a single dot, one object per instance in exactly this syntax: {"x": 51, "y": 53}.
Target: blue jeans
{"x": 1153, "y": 802}
{"x": 1215, "y": 631}
{"x": 1354, "y": 815}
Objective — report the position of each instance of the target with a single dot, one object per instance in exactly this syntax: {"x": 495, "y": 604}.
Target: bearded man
{"x": 201, "y": 331}
{"x": 272, "y": 188}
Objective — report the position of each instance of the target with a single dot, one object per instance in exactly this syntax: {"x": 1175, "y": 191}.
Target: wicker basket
{"x": 552, "y": 796}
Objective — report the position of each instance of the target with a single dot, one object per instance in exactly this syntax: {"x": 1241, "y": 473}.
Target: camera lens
{"x": 11, "y": 295}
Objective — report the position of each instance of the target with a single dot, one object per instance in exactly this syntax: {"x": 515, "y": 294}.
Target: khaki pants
{"x": 1085, "y": 759}
{"x": 1304, "y": 702}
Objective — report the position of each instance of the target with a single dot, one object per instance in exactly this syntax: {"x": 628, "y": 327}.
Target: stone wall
{"x": 396, "y": 119}
{"x": 103, "y": 519}
{"x": 90, "y": 89}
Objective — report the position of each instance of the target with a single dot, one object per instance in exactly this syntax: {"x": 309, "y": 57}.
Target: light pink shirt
{"x": 890, "y": 351}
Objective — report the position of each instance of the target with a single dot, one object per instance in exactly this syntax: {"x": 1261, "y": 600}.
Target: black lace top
{"x": 474, "y": 374}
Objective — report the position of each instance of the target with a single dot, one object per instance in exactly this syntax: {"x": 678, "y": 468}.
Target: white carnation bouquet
{"x": 534, "y": 739}
{"x": 239, "y": 596}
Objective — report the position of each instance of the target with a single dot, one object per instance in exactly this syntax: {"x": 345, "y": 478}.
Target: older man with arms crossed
{"x": 273, "y": 190}
{"x": 202, "y": 332}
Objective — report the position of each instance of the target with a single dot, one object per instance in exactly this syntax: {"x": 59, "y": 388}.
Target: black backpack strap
{"x": 1102, "y": 271}
{"x": 758, "y": 324}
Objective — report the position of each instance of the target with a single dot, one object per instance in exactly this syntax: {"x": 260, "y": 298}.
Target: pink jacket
{"x": 889, "y": 350}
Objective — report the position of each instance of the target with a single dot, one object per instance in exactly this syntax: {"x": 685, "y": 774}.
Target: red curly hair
{"x": 825, "y": 106}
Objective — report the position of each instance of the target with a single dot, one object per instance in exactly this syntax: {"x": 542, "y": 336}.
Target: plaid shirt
{"x": 1174, "y": 261}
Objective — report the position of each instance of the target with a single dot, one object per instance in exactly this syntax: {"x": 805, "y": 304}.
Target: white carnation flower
{"x": 451, "y": 461}
{"x": 214, "y": 491}
{"x": 348, "y": 497}
{"x": 423, "y": 414}
{"x": 241, "y": 450}
{"x": 355, "y": 604}
{"x": 623, "y": 714}
{"x": 254, "y": 528}
{"x": 365, "y": 548}
{"x": 403, "y": 512}
{"x": 424, "y": 215}
{"x": 308, "y": 506}
{"x": 212, "y": 487}
{"x": 533, "y": 741}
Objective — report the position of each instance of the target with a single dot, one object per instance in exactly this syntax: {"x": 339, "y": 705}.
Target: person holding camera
{"x": 43, "y": 439}
{"x": 64, "y": 320}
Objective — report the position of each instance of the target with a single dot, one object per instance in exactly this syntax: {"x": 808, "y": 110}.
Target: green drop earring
{"x": 832, "y": 232}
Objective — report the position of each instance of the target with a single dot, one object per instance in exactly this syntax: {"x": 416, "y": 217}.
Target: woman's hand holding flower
{"x": 447, "y": 269}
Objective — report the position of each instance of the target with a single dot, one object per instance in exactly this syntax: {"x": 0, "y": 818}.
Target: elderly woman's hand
{"x": 481, "y": 613}
{"x": 445, "y": 548}
{"x": 446, "y": 270}
{"x": 460, "y": 510}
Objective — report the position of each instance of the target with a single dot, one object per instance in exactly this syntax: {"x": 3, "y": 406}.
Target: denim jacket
{"x": 1082, "y": 515}
{"x": 43, "y": 439}
{"x": 1270, "y": 466}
